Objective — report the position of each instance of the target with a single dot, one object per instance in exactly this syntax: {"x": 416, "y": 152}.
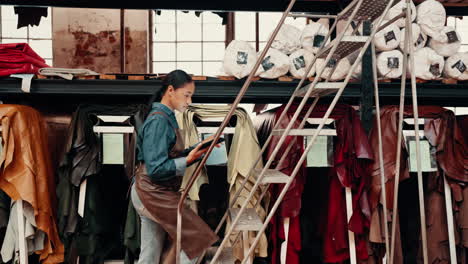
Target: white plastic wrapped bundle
{"x": 431, "y": 17}
{"x": 313, "y": 36}
{"x": 447, "y": 42}
{"x": 398, "y": 9}
{"x": 299, "y": 61}
{"x": 428, "y": 64}
{"x": 358, "y": 70}
{"x": 274, "y": 65}
{"x": 388, "y": 38}
{"x": 342, "y": 68}
{"x": 239, "y": 59}
{"x": 457, "y": 66}
{"x": 419, "y": 38}
{"x": 288, "y": 39}
{"x": 390, "y": 64}
{"x": 340, "y": 27}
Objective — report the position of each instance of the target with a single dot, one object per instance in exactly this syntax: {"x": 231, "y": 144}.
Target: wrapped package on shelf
{"x": 288, "y": 39}
{"x": 431, "y": 17}
{"x": 342, "y": 68}
{"x": 357, "y": 74}
{"x": 299, "y": 61}
{"x": 428, "y": 64}
{"x": 390, "y": 64}
{"x": 313, "y": 36}
{"x": 342, "y": 23}
{"x": 447, "y": 42}
{"x": 419, "y": 38}
{"x": 239, "y": 59}
{"x": 387, "y": 38}
{"x": 274, "y": 65}
{"x": 456, "y": 66}
{"x": 397, "y": 9}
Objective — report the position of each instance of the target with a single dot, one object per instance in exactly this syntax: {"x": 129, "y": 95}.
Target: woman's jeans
{"x": 153, "y": 236}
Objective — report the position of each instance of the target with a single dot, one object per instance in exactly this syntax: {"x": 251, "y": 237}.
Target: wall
{"x": 91, "y": 38}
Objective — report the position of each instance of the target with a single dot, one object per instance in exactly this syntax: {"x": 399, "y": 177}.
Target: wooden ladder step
{"x": 249, "y": 220}
{"x": 305, "y": 132}
{"x": 272, "y": 176}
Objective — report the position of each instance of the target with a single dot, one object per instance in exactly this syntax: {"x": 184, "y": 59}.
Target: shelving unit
{"x": 214, "y": 90}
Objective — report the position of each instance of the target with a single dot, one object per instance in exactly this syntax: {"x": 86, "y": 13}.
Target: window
{"x": 461, "y": 25}
{"x": 38, "y": 37}
{"x": 183, "y": 40}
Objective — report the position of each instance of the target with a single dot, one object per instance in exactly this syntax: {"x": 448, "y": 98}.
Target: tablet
{"x": 208, "y": 144}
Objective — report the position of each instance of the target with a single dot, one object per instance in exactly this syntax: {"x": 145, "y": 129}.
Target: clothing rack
{"x": 447, "y": 195}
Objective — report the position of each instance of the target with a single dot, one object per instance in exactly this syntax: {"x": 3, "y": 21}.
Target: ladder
{"x": 245, "y": 219}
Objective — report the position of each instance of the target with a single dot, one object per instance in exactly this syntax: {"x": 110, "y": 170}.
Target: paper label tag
{"x": 389, "y": 37}
{"x": 428, "y": 161}
{"x": 219, "y": 155}
{"x": 460, "y": 66}
{"x": 299, "y": 62}
{"x": 452, "y": 36}
{"x": 318, "y": 40}
{"x": 242, "y": 57}
{"x": 267, "y": 64}
{"x": 331, "y": 63}
{"x": 113, "y": 149}
{"x": 393, "y": 63}
{"x": 321, "y": 153}
{"x": 435, "y": 69}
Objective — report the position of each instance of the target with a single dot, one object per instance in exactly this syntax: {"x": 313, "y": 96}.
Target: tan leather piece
{"x": 26, "y": 171}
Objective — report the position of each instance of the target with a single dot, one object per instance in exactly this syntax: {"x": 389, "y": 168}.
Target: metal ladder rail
{"x": 283, "y": 137}
{"x": 326, "y": 116}
{"x": 410, "y": 65}
{"x": 381, "y": 163}
{"x": 288, "y": 105}
{"x": 220, "y": 129}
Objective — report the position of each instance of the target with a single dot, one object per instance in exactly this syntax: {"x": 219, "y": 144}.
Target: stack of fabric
{"x": 19, "y": 58}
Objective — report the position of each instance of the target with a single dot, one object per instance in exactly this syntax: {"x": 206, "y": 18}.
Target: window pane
{"x": 209, "y": 17}
{"x": 213, "y": 51}
{"x": 166, "y": 17}
{"x": 214, "y": 32}
{"x": 163, "y": 67}
{"x": 164, "y": 32}
{"x": 14, "y": 41}
{"x": 9, "y": 29}
{"x": 212, "y": 68}
{"x": 245, "y": 26}
{"x": 190, "y": 67}
{"x": 44, "y": 30}
{"x": 267, "y": 23}
{"x": 189, "y": 51}
{"x": 42, "y": 47}
{"x": 189, "y": 32}
{"x": 164, "y": 51}
{"x": 187, "y": 18}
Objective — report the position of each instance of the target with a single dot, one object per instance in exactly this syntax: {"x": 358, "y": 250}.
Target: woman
{"x": 155, "y": 193}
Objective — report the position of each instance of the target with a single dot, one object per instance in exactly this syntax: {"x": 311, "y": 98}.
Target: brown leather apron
{"x": 161, "y": 199}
